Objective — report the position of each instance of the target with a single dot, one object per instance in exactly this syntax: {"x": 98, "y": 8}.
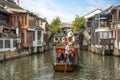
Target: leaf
{"x": 55, "y": 25}
{"x": 78, "y": 24}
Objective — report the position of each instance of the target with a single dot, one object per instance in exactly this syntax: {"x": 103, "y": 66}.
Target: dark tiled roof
{"x": 108, "y": 8}
{"x": 3, "y": 10}
{"x": 116, "y": 7}
{"x": 10, "y": 4}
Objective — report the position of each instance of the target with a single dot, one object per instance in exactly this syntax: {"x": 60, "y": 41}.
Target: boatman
{"x": 68, "y": 52}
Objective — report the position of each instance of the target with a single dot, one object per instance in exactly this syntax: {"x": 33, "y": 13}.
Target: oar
{"x": 65, "y": 68}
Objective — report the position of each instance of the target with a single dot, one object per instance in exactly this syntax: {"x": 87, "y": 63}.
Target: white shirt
{"x": 67, "y": 48}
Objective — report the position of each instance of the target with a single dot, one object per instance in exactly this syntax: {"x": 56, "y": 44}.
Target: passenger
{"x": 73, "y": 54}
{"x": 59, "y": 52}
{"x": 73, "y": 51}
{"x": 69, "y": 58}
{"x": 62, "y": 57}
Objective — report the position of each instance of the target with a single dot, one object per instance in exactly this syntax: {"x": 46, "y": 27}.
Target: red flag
{"x": 18, "y": 2}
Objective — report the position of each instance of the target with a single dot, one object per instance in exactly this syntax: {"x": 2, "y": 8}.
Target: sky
{"x": 65, "y": 9}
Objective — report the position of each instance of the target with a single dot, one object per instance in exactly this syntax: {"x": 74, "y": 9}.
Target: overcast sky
{"x": 65, "y": 9}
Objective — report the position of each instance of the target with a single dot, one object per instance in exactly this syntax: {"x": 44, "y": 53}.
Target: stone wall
{"x": 8, "y": 55}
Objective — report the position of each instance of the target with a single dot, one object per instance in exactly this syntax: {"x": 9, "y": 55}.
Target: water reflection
{"x": 97, "y": 67}
{"x": 40, "y": 67}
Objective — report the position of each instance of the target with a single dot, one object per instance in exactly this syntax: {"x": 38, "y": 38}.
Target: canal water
{"x": 40, "y": 67}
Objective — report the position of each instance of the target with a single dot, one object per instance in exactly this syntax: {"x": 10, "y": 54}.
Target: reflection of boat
{"x": 65, "y": 67}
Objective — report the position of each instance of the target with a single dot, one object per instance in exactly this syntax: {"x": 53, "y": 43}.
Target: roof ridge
{"x": 94, "y": 11}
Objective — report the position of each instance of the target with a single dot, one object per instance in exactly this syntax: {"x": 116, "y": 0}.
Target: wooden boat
{"x": 66, "y": 67}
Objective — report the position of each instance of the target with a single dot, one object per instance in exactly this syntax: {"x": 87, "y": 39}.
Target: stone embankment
{"x": 8, "y": 55}
{"x": 4, "y": 56}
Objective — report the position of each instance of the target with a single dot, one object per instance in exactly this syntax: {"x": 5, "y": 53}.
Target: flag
{"x": 18, "y": 2}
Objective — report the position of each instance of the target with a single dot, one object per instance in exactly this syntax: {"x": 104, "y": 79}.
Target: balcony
{"x": 115, "y": 24}
{"x": 106, "y": 41}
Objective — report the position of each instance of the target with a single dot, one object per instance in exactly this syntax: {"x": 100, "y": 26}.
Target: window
{"x": 56, "y": 38}
{"x": 39, "y": 35}
{"x": 26, "y": 20}
{"x": 18, "y": 18}
{"x": 14, "y": 19}
{"x": 100, "y": 35}
{"x": 118, "y": 33}
{"x": 104, "y": 35}
{"x": 119, "y": 18}
{"x": 110, "y": 34}
{"x": 22, "y": 20}
{"x": 71, "y": 33}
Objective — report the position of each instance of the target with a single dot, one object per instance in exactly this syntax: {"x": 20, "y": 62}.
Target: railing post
{"x": 11, "y": 44}
{"x": 3, "y": 44}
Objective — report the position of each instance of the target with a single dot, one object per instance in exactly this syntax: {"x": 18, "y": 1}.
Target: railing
{"x": 114, "y": 23}
{"x": 106, "y": 41}
{"x": 106, "y": 44}
{"x": 8, "y": 44}
{"x": 38, "y": 43}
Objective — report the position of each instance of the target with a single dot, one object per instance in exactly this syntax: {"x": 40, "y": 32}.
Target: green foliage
{"x": 55, "y": 25}
{"x": 78, "y": 24}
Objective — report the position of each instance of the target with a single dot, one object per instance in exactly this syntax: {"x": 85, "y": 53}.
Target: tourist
{"x": 62, "y": 56}
{"x": 73, "y": 54}
{"x": 59, "y": 52}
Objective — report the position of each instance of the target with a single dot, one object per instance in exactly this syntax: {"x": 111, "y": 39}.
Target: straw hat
{"x": 70, "y": 43}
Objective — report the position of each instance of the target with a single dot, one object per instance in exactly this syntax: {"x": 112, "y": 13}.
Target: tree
{"x": 78, "y": 24}
{"x": 55, "y": 25}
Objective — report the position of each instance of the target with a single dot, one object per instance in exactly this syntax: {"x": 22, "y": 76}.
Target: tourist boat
{"x": 66, "y": 67}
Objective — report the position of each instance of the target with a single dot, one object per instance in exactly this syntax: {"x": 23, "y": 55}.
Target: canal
{"x": 40, "y": 67}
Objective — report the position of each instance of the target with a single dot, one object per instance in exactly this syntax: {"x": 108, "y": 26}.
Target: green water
{"x": 40, "y": 67}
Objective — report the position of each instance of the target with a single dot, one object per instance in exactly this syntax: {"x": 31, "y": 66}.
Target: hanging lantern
{"x": 59, "y": 51}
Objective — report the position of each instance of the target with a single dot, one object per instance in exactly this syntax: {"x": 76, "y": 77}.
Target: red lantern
{"x": 59, "y": 51}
